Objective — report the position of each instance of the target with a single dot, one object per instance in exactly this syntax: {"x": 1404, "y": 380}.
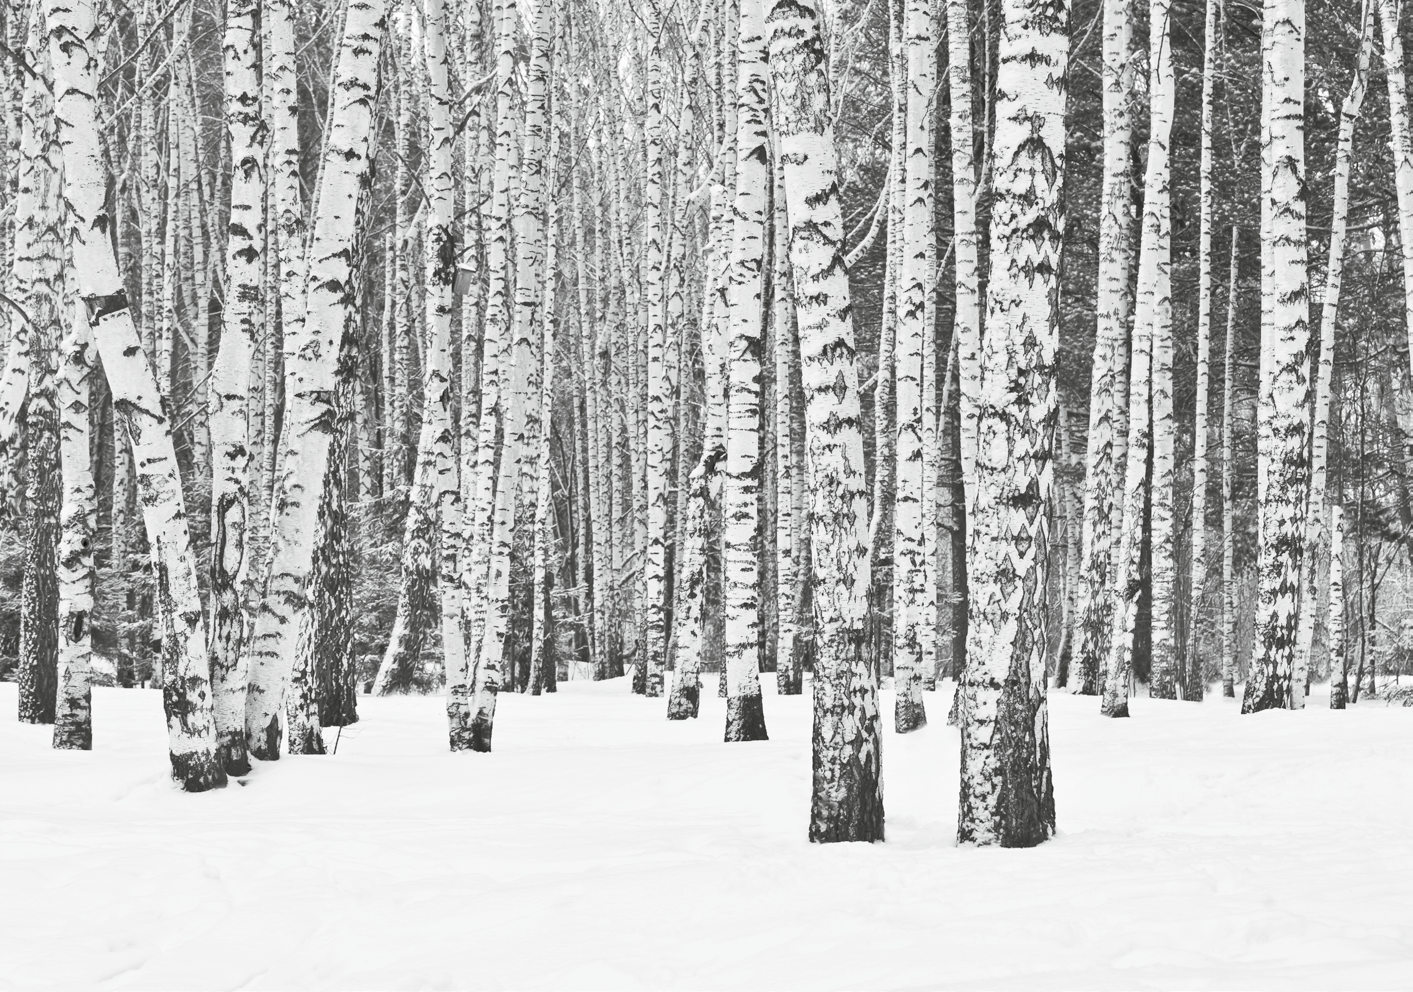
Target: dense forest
{"x": 473, "y": 346}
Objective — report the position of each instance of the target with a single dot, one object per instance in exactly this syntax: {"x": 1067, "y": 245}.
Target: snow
{"x": 602, "y": 847}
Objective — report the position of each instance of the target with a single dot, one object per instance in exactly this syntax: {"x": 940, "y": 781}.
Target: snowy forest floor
{"x": 601, "y": 847}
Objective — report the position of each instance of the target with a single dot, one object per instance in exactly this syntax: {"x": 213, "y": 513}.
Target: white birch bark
{"x": 847, "y": 794}
{"x": 242, "y": 327}
{"x": 1229, "y": 479}
{"x": 78, "y": 519}
{"x": 1285, "y": 343}
{"x": 911, "y": 517}
{"x": 1109, "y": 382}
{"x": 1193, "y": 679}
{"x": 965, "y": 237}
{"x": 186, "y": 693}
{"x": 745, "y": 714}
{"x": 1339, "y": 663}
{"x": 1157, "y": 311}
{"x": 1317, "y": 511}
{"x": 1007, "y": 797}
{"x": 311, "y": 354}
{"x": 1400, "y": 143}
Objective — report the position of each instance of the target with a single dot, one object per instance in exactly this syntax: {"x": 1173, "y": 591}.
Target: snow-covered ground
{"x": 601, "y": 847}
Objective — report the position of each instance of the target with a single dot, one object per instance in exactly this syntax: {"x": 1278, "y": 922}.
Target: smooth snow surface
{"x": 601, "y": 847}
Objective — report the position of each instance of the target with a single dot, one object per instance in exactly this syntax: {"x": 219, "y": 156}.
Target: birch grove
{"x": 832, "y": 350}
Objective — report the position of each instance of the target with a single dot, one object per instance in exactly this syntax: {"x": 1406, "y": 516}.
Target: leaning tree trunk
{"x": 912, "y": 613}
{"x": 1007, "y": 797}
{"x": 311, "y": 354}
{"x": 186, "y": 692}
{"x": 242, "y": 318}
{"x": 847, "y": 800}
{"x": 745, "y": 713}
{"x": 1285, "y": 346}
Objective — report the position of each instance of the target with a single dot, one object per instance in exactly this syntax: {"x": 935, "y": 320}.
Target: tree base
{"x": 308, "y": 741}
{"x": 233, "y": 758}
{"x": 481, "y": 726}
{"x": 73, "y": 737}
{"x": 198, "y": 772}
{"x": 745, "y": 719}
{"x": 266, "y": 744}
{"x": 684, "y": 702}
{"x": 909, "y": 715}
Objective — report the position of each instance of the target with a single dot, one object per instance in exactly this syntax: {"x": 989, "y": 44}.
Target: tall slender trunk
{"x": 242, "y": 327}
{"x": 911, "y": 626}
{"x": 745, "y": 714}
{"x": 1316, "y": 512}
{"x": 1339, "y": 659}
{"x": 1194, "y": 677}
{"x": 1007, "y": 795}
{"x": 78, "y": 520}
{"x": 1229, "y": 599}
{"x": 1285, "y": 343}
{"x": 847, "y": 799}
{"x": 186, "y": 692}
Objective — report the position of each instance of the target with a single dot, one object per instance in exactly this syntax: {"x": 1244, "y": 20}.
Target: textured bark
{"x": 40, "y": 248}
{"x": 847, "y": 795}
{"x": 789, "y": 674}
{"x": 311, "y": 353}
{"x": 1229, "y": 479}
{"x": 912, "y": 623}
{"x": 1285, "y": 350}
{"x": 242, "y": 327}
{"x": 1339, "y": 659}
{"x": 1316, "y": 513}
{"x": 186, "y": 690}
{"x": 1194, "y": 678}
{"x": 1109, "y": 382}
{"x": 1157, "y": 312}
{"x": 659, "y": 385}
{"x": 741, "y": 584}
{"x": 1007, "y": 796}
{"x": 78, "y": 524}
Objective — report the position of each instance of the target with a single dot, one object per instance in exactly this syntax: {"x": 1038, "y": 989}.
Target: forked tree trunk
{"x": 847, "y": 794}
{"x": 1007, "y": 797}
{"x": 186, "y": 692}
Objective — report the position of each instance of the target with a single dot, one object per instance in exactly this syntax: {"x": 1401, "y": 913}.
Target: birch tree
{"x": 847, "y": 799}
{"x": 311, "y": 352}
{"x": 72, "y": 35}
{"x": 1007, "y": 796}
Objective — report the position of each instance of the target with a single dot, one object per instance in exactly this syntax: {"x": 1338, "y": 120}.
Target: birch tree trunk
{"x": 1007, "y": 797}
{"x": 847, "y": 800}
{"x": 1109, "y": 383}
{"x": 1317, "y": 511}
{"x": 911, "y": 565}
{"x": 186, "y": 693}
{"x": 1229, "y": 479}
{"x": 242, "y": 328}
{"x": 789, "y": 674}
{"x": 1339, "y": 660}
{"x": 1401, "y": 144}
{"x": 1193, "y": 678}
{"x": 1285, "y": 345}
{"x": 1166, "y": 665}
{"x": 78, "y": 519}
{"x": 311, "y": 354}
{"x": 745, "y": 714}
